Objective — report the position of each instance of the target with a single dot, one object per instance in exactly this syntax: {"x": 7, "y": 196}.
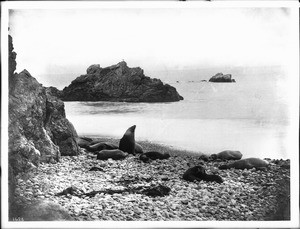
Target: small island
{"x": 220, "y": 78}
{"x": 118, "y": 83}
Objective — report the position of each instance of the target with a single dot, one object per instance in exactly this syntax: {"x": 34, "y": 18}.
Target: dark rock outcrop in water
{"x": 38, "y": 130}
{"x": 220, "y": 78}
{"x": 118, "y": 83}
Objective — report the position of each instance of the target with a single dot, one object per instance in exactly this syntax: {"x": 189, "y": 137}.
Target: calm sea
{"x": 251, "y": 116}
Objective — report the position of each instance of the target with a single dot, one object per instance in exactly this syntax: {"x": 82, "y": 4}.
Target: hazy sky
{"x": 56, "y": 46}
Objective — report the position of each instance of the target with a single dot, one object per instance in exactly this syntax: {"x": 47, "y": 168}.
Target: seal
{"x": 153, "y": 155}
{"x": 83, "y": 142}
{"x": 114, "y": 154}
{"x": 138, "y": 149}
{"x": 247, "y": 163}
{"x": 127, "y": 142}
{"x": 101, "y": 146}
{"x": 229, "y": 155}
{"x": 198, "y": 173}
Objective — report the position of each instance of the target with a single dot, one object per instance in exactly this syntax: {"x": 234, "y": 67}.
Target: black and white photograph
{"x": 150, "y": 114}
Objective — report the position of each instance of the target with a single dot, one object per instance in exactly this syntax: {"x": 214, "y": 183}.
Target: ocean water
{"x": 250, "y": 116}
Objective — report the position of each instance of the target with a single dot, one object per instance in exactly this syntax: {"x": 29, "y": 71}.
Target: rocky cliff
{"x": 38, "y": 128}
{"x": 118, "y": 83}
{"x": 220, "y": 78}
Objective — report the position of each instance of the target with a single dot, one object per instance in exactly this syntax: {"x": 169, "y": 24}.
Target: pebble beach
{"x": 247, "y": 195}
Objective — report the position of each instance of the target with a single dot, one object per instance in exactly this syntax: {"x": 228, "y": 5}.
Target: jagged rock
{"x": 220, "y": 78}
{"x": 54, "y": 92}
{"x": 61, "y": 131}
{"x": 11, "y": 57}
{"x": 29, "y": 141}
{"x": 38, "y": 128}
{"x": 93, "y": 69}
{"x": 118, "y": 83}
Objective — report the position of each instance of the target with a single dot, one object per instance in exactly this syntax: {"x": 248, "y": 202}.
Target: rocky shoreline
{"x": 247, "y": 195}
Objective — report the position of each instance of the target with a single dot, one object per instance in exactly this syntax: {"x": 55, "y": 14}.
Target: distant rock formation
{"x": 220, "y": 78}
{"x": 118, "y": 83}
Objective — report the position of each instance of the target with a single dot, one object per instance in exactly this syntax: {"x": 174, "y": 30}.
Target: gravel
{"x": 244, "y": 194}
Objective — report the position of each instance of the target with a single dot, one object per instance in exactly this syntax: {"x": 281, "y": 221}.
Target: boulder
{"x": 220, "y": 78}
{"x": 38, "y": 128}
{"x": 118, "y": 83}
{"x": 61, "y": 131}
{"x": 45, "y": 211}
{"x": 54, "y": 92}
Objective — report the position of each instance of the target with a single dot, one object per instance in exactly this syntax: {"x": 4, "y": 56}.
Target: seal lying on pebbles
{"x": 198, "y": 173}
{"x": 95, "y": 168}
{"x": 84, "y": 142}
{"x": 159, "y": 190}
{"x": 101, "y": 146}
{"x": 204, "y": 157}
{"x": 114, "y": 154}
{"x": 227, "y": 155}
{"x": 127, "y": 142}
{"x": 247, "y": 163}
{"x": 153, "y": 155}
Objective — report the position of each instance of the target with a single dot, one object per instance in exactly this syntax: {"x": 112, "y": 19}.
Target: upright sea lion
{"x": 247, "y": 163}
{"x": 101, "y": 146}
{"x": 114, "y": 154}
{"x": 198, "y": 173}
{"x": 229, "y": 155}
{"x": 127, "y": 142}
{"x": 153, "y": 155}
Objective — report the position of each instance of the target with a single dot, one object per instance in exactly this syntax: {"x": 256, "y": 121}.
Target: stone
{"x": 38, "y": 130}
{"x": 45, "y": 211}
{"x": 220, "y": 78}
{"x": 118, "y": 83}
